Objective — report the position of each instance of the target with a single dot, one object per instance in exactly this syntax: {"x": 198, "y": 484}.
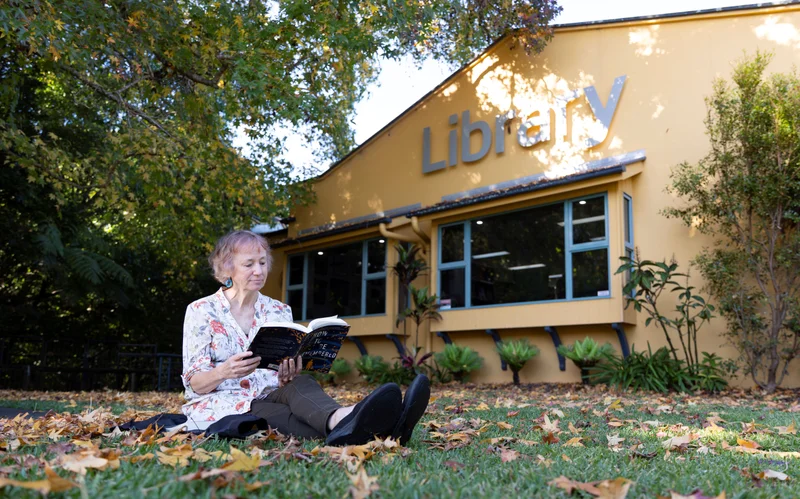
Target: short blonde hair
{"x": 221, "y": 259}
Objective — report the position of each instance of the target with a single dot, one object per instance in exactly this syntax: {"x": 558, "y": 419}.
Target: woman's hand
{"x": 238, "y": 366}
{"x": 289, "y": 369}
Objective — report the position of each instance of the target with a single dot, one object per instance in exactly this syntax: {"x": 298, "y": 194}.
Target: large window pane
{"x": 518, "y": 257}
{"x": 376, "y": 256}
{"x": 590, "y": 273}
{"x": 334, "y": 281}
{"x": 588, "y": 220}
{"x": 296, "y": 302}
{"x": 376, "y": 296}
{"x": 295, "y": 270}
{"x": 452, "y": 288}
{"x": 453, "y": 243}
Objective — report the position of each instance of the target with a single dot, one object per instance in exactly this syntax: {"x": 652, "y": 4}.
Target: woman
{"x": 221, "y": 378}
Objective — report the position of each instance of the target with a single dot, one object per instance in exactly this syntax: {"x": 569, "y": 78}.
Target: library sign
{"x": 540, "y": 119}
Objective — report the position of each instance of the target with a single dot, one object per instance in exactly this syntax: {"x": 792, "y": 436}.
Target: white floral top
{"x": 211, "y": 335}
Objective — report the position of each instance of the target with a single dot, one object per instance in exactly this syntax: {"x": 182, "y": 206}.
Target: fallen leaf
{"x": 550, "y": 438}
{"x": 566, "y": 458}
{"x": 80, "y": 462}
{"x": 362, "y": 484}
{"x": 614, "y": 440}
{"x": 454, "y": 465}
{"x": 777, "y": 475}
{"x": 511, "y": 414}
{"x": 614, "y": 489}
{"x": 504, "y": 425}
{"x": 787, "y": 430}
{"x": 747, "y": 443}
{"x": 574, "y": 442}
{"x": 507, "y": 455}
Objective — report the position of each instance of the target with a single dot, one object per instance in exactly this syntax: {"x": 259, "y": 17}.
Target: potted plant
{"x": 516, "y": 354}
{"x": 586, "y": 354}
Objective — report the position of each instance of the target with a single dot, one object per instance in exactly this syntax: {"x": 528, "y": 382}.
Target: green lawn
{"x": 475, "y": 442}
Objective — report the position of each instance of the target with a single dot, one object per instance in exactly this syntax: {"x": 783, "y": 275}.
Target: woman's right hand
{"x": 238, "y": 366}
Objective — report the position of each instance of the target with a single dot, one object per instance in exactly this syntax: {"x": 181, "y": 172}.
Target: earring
{"x": 228, "y": 283}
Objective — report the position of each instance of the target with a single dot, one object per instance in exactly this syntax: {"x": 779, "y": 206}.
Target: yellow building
{"x": 526, "y": 177}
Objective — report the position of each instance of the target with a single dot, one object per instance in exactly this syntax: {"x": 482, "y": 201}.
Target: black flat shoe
{"x": 414, "y": 405}
{"x": 377, "y": 414}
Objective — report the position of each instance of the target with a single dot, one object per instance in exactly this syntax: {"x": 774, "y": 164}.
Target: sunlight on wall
{"x": 659, "y": 107}
{"x": 646, "y": 39}
{"x": 781, "y": 33}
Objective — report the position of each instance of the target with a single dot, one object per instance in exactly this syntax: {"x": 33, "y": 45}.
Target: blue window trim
{"x": 627, "y": 222}
{"x": 365, "y": 276}
{"x": 569, "y": 250}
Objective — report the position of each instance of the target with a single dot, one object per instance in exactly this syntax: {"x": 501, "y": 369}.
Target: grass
{"x": 476, "y": 468}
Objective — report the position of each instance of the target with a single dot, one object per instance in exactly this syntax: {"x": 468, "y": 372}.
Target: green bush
{"x": 652, "y": 371}
{"x": 371, "y": 367}
{"x": 340, "y": 368}
{"x": 516, "y": 354}
{"x": 460, "y": 361}
{"x": 659, "y": 372}
{"x": 397, "y": 373}
{"x": 586, "y": 354}
{"x": 711, "y": 373}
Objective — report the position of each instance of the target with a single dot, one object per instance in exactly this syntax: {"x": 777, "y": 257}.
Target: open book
{"x": 318, "y": 343}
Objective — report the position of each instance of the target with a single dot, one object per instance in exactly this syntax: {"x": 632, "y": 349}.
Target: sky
{"x": 401, "y": 83}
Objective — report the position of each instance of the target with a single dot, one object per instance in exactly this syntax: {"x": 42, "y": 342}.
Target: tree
{"x": 117, "y": 120}
{"x": 746, "y": 193}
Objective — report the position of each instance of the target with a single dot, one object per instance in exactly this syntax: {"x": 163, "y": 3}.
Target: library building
{"x": 523, "y": 179}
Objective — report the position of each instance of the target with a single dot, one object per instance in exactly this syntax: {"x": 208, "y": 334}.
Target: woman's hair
{"x": 221, "y": 259}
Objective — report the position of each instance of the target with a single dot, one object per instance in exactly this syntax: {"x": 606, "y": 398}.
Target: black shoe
{"x": 414, "y": 405}
{"x": 375, "y": 415}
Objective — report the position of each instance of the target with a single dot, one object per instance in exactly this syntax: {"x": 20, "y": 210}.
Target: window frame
{"x": 569, "y": 250}
{"x": 365, "y": 276}
{"x": 627, "y": 227}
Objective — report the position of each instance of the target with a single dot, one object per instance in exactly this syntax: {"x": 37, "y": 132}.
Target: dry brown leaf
{"x": 675, "y": 442}
{"x": 241, "y": 461}
{"x": 362, "y": 484}
{"x": 574, "y": 442}
{"x": 787, "y": 430}
{"x": 566, "y": 458}
{"x": 614, "y": 440}
{"x": 41, "y": 486}
{"x": 454, "y": 465}
{"x": 550, "y": 438}
{"x": 551, "y": 427}
{"x": 143, "y": 457}
{"x": 572, "y": 428}
{"x": 614, "y": 489}
{"x": 747, "y": 443}
{"x": 504, "y": 425}
{"x": 511, "y": 414}
{"x": 507, "y": 455}
{"x": 777, "y": 475}
{"x": 80, "y": 462}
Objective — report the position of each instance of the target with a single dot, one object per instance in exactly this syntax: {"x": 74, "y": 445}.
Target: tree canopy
{"x": 117, "y": 120}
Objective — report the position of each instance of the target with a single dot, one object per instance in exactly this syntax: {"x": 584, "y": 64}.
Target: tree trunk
{"x": 516, "y": 377}
{"x": 585, "y": 375}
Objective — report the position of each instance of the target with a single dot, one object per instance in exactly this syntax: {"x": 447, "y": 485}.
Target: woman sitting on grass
{"x": 221, "y": 377}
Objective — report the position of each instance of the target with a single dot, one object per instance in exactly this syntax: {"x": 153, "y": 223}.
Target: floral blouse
{"x": 211, "y": 335}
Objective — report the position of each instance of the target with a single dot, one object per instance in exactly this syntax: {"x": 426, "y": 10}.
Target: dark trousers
{"x": 300, "y": 408}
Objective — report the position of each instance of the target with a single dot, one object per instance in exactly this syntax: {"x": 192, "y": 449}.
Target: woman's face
{"x": 250, "y": 269}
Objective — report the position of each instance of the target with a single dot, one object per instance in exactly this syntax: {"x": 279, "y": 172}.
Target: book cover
{"x": 318, "y": 344}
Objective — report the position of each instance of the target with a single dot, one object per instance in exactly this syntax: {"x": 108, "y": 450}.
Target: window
{"x": 627, "y": 208}
{"x": 524, "y": 256}
{"x": 344, "y": 280}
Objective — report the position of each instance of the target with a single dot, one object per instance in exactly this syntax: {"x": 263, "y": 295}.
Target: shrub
{"x": 711, "y": 373}
{"x": 655, "y": 371}
{"x": 371, "y": 367}
{"x": 586, "y": 354}
{"x": 397, "y": 373}
{"x": 340, "y": 368}
{"x": 460, "y": 361}
{"x": 516, "y": 354}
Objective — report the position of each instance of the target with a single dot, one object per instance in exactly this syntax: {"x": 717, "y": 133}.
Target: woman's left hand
{"x": 288, "y": 370}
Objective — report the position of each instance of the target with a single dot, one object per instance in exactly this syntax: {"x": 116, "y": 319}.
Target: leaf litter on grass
{"x": 67, "y": 446}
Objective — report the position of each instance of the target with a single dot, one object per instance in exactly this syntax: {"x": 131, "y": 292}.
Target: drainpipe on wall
{"x": 400, "y": 237}
{"x": 415, "y": 227}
